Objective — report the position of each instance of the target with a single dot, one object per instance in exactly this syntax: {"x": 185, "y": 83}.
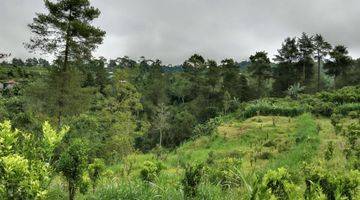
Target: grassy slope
{"x": 256, "y": 141}
{"x": 272, "y": 146}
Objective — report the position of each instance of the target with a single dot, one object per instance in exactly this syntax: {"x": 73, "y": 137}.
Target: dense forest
{"x": 81, "y": 127}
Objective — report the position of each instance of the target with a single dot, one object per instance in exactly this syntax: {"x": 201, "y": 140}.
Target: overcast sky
{"x": 172, "y": 30}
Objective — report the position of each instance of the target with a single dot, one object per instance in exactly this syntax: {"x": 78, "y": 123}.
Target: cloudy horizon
{"x": 173, "y": 30}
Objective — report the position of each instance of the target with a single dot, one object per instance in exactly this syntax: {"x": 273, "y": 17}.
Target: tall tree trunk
{"x": 304, "y": 73}
{"x": 160, "y": 141}
{"x": 318, "y": 76}
{"x": 67, "y": 43}
{"x": 71, "y": 189}
{"x": 259, "y": 85}
{"x": 64, "y": 71}
{"x": 59, "y": 120}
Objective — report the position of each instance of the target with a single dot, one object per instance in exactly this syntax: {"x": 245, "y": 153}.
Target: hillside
{"x": 232, "y": 157}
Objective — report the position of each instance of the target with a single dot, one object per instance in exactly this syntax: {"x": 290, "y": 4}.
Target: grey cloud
{"x": 172, "y": 30}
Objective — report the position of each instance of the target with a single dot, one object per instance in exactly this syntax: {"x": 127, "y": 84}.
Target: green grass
{"x": 306, "y": 142}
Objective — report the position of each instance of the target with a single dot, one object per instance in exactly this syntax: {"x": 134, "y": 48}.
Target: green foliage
{"x": 277, "y": 108}
{"x": 79, "y": 36}
{"x": 24, "y": 168}
{"x": 329, "y": 153}
{"x": 150, "y": 171}
{"x": 295, "y": 90}
{"x": 344, "y": 109}
{"x": 307, "y": 142}
{"x": 333, "y": 185}
{"x": 72, "y": 164}
{"x": 352, "y": 150}
{"x": 349, "y": 94}
{"x": 260, "y": 69}
{"x": 95, "y": 170}
{"x": 17, "y": 181}
{"x": 191, "y": 180}
{"x": 207, "y": 128}
{"x": 354, "y": 114}
{"x": 339, "y": 62}
{"x": 276, "y": 184}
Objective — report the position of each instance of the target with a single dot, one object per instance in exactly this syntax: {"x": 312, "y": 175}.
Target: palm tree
{"x": 295, "y": 90}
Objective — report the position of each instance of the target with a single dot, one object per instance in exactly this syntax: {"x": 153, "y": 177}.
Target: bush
{"x": 72, "y": 164}
{"x": 24, "y": 173}
{"x": 352, "y": 151}
{"x": 276, "y": 184}
{"x": 347, "y": 108}
{"x": 329, "y": 151}
{"x": 272, "y": 107}
{"x": 207, "y": 128}
{"x": 343, "y": 95}
{"x": 334, "y": 185}
{"x": 191, "y": 180}
{"x": 95, "y": 171}
{"x": 150, "y": 171}
{"x": 353, "y": 114}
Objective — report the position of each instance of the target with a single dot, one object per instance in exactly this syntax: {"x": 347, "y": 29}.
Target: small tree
{"x": 295, "y": 90}
{"x": 4, "y": 55}
{"x": 329, "y": 151}
{"x": 162, "y": 117}
{"x": 95, "y": 171}
{"x": 227, "y": 102}
{"x": 72, "y": 164}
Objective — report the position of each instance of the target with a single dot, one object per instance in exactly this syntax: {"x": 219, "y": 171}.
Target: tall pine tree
{"x": 66, "y": 32}
{"x": 322, "y": 49}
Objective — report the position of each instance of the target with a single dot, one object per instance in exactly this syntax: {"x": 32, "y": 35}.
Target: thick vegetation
{"x": 126, "y": 129}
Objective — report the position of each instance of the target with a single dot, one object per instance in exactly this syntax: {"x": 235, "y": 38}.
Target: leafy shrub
{"x": 150, "y": 170}
{"x": 352, "y": 151}
{"x": 335, "y": 119}
{"x": 316, "y": 105}
{"x": 72, "y": 164}
{"x": 343, "y": 95}
{"x": 353, "y": 114}
{"x": 95, "y": 171}
{"x": 24, "y": 171}
{"x": 276, "y": 184}
{"x": 329, "y": 150}
{"x": 207, "y": 128}
{"x": 191, "y": 180}
{"x": 347, "y": 108}
{"x": 334, "y": 185}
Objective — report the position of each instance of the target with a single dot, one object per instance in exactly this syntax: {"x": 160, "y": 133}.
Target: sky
{"x": 173, "y": 30}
